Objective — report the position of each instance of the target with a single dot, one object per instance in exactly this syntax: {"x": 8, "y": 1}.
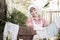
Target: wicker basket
{"x": 26, "y": 33}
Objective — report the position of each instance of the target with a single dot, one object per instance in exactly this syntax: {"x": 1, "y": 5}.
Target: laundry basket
{"x": 26, "y": 33}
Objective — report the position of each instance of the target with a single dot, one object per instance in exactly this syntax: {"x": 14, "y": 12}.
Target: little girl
{"x": 36, "y": 22}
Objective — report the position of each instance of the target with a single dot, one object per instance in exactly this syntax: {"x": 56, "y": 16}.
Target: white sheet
{"x": 12, "y": 28}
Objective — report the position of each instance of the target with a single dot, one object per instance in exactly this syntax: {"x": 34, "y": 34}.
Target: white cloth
{"x": 38, "y": 26}
{"x": 57, "y": 22}
{"x": 12, "y": 28}
{"x": 40, "y": 31}
{"x": 53, "y": 28}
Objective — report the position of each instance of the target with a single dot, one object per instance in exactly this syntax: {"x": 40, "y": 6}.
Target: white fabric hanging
{"x": 57, "y": 22}
{"x": 52, "y": 30}
{"x": 40, "y": 31}
{"x": 12, "y": 29}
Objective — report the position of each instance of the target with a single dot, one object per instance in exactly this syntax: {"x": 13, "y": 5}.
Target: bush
{"x": 18, "y": 17}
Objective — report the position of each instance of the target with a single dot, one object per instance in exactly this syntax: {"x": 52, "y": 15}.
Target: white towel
{"x": 12, "y": 28}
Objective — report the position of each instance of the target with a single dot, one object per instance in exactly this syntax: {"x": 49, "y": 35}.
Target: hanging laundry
{"x": 12, "y": 30}
{"x": 53, "y": 28}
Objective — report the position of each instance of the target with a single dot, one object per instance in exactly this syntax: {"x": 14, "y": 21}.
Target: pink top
{"x": 29, "y": 22}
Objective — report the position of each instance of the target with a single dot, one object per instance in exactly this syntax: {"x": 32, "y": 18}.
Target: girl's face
{"x": 33, "y": 11}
